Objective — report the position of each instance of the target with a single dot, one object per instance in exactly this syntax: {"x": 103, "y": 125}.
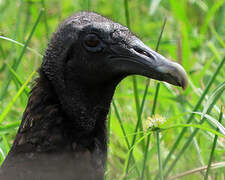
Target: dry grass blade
{"x": 199, "y": 169}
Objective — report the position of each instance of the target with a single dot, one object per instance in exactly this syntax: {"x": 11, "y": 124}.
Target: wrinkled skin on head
{"x": 81, "y": 63}
{"x": 111, "y": 57}
{"x": 90, "y": 51}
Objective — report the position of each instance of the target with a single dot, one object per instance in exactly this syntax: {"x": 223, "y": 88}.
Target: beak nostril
{"x": 143, "y": 52}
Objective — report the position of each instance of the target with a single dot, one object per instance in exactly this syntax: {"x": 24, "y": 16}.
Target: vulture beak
{"x": 141, "y": 60}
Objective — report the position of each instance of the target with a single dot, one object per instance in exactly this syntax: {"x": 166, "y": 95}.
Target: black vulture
{"x": 63, "y": 130}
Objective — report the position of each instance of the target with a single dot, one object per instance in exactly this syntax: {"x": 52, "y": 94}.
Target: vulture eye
{"x": 92, "y": 43}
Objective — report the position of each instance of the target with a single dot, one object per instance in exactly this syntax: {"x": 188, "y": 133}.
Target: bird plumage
{"x": 63, "y": 130}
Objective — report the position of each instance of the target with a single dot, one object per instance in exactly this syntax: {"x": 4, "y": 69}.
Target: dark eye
{"x": 92, "y": 43}
{"x": 91, "y": 40}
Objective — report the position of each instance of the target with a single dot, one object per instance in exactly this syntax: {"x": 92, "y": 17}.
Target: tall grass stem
{"x": 159, "y": 156}
{"x": 154, "y": 102}
{"x": 123, "y": 130}
{"x": 213, "y": 147}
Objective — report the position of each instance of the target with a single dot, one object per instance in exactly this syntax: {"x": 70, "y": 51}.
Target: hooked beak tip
{"x": 184, "y": 84}
{"x": 174, "y": 74}
{"x": 182, "y": 76}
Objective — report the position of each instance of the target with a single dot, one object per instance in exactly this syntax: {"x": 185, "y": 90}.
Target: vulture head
{"x": 90, "y": 54}
{"x": 92, "y": 49}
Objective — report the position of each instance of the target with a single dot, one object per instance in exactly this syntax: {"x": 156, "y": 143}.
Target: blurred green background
{"x": 194, "y": 36}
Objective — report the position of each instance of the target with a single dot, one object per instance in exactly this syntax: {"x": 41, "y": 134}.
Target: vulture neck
{"x": 72, "y": 121}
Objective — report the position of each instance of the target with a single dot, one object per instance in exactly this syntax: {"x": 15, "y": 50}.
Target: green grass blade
{"x": 6, "y": 144}
{"x": 213, "y": 121}
{"x": 121, "y": 123}
{"x": 16, "y": 76}
{"x": 2, "y": 68}
{"x": 21, "y": 44}
{"x": 214, "y": 97}
{"x": 166, "y": 128}
{"x": 89, "y": 5}
{"x": 28, "y": 40}
{"x": 210, "y": 14}
{"x": 213, "y": 148}
{"x": 136, "y": 97}
{"x": 123, "y": 130}
{"x": 137, "y": 125}
{"x": 196, "y": 145}
{"x": 217, "y": 92}
{"x": 214, "y": 50}
{"x": 196, "y": 126}
{"x": 220, "y": 40}
{"x": 16, "y": 64}
{"x": 27, "y": 19}
{"x": 155, "y": 99}
{"x": 145, "y": 156}
{"x": 206, "y": 67}
{"x": 127, "y": 15}
{"x": 6, "y": 128}
{"x": 2, "y": 156}
{"x": 2, "y": 51}
{"x": 45, "y": 18}
{"x": 159, "y": 156}
{"x": 10, "y": 105}
{"x": 18, "y": 19}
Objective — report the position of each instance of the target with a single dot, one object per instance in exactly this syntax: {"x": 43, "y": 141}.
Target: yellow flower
{"x": 155, "y": 121}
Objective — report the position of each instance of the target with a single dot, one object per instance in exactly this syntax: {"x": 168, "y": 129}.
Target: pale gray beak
{"x": 139, "y": 59}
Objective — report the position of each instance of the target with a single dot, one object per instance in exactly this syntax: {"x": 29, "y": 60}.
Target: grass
{"x": 213, "y": 149}
{"x": 194, "y": 36}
